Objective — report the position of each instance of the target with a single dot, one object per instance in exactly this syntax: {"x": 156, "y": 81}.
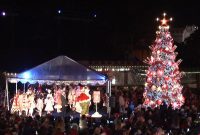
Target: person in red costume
{"x": 84, "y": 99}
{"x": 57, "y": 99}
{"x": 15, "y": 104}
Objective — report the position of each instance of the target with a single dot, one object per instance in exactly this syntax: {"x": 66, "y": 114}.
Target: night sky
{"x": 32, "y": 32}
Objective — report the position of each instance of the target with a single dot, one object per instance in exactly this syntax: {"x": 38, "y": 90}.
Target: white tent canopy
{"x": 60, "y": 70}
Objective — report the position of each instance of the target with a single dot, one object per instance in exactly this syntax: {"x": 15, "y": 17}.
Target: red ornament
{"x": 158, "y": 102}
{"x": 166, "y": 78}
{"x": 149, "y": 79}
{"x": 174, "y": 95}
{"x": 146, "y": 101}
{"x": 164, "y": 97}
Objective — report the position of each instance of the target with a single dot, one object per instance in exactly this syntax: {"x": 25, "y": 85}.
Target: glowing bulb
{"x": 169, "y": 63}
{"x": 175, "y": 105}
{"x": 159, "y": 89}
{"x": 164, "y": 14}
{"x": 3, "y": 13}
{"x": 164, "y": 86}
{"x": 157, "y": 19}
{"x": 59, "y": 11}
{"x": 151, "y": 102}
{"x": 153, "y": 87}
{"x": 154, "y": 73}
{"x": 180, "y": 98}
{"x": 171, "y": 19}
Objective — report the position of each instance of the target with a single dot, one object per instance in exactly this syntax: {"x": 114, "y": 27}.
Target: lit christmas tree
{"x": 163, "y": 75}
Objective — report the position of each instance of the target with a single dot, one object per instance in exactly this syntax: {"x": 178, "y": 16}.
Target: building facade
{"x": 126, "y": 73}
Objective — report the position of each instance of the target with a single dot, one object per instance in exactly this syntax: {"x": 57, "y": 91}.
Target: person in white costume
{"x": 23, "y": 103}
{"x": 32, "y": 104}
{"x": 71, "y": 97}
{"x": 49, "y": 102}
{"x": 31, "y": 101}
{"x": 40, "y": 105}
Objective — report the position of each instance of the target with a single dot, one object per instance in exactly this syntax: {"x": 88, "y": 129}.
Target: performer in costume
{"x": 49, "y": 102}
{"x": 23, "y": 103}
{"x": 40, "y": 105}
{"x": 63, "y": 91}
{"x": 84, "y": 99}
{"x": 57, "y": 99}
{"x": 31, "y": 104}
{"x": 74, "y": 92}
{"x": 64, "y": 100}
{"x": 39, "y": 90}
{"x": 71, "y": 97}
{"x": 15, "y": 104}
{"x": 78, "y": 91}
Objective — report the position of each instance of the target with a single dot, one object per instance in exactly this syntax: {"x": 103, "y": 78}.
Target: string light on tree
{"x": 163, "y": 75}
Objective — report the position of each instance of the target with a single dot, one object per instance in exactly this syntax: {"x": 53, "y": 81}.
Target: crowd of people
{"x": 128, "y": 117}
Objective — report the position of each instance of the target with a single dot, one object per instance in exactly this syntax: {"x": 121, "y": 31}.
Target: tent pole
{"x": 107, "y": 87}
{"x": 16, "y": 87}
{"x": 110, "y": 88}
{"x": 7, "y": 95}
{"x": 109, "y": 95}
{"x": 107, "y": 91}
{"x": 24, "y": 87}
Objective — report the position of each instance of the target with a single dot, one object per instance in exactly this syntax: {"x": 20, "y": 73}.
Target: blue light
{"x": 26, "y": 75}
{"x": 102, "y": 78}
